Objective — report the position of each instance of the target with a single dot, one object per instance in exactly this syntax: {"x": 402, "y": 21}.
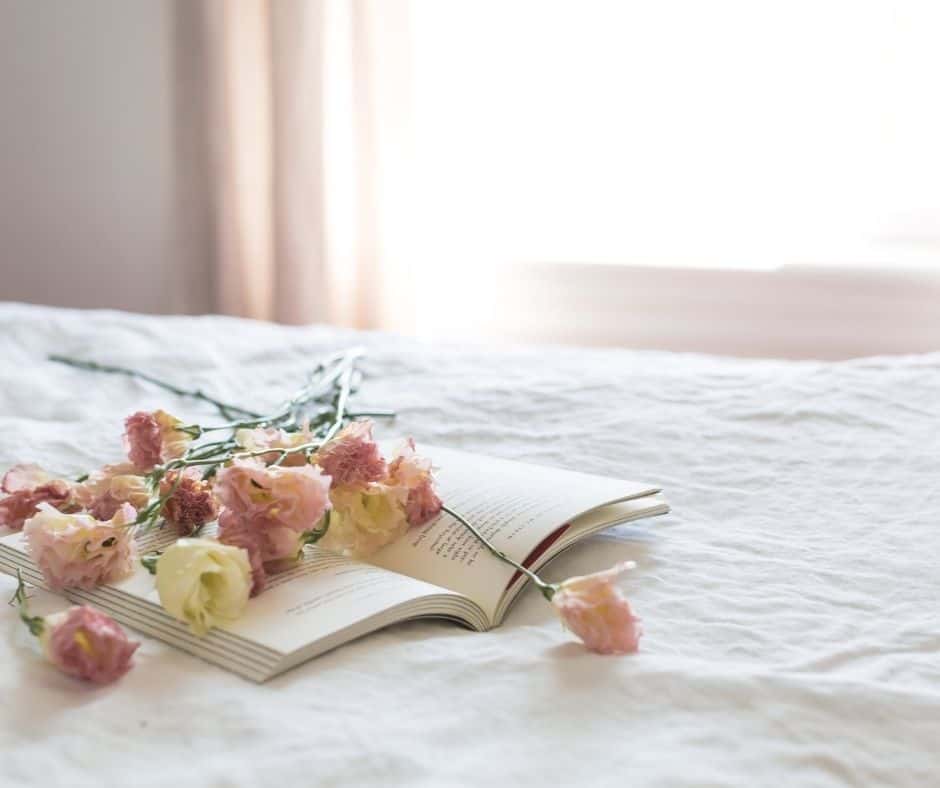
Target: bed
{"x": 790, "y": 601}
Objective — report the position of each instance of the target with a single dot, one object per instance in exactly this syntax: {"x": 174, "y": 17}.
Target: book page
{"x": 323, "y": 594}
{"x": 515, "y": 505}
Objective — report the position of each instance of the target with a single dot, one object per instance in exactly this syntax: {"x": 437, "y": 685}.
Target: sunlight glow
{"x": 719, "y": 134}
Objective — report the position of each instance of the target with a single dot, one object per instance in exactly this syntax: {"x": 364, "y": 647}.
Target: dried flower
{"x": 203, "y": 583}
{"x": 414, "y": 474}
{"x": 154, "y": 438}
{"x": 27, "y": 486}
{"x": 86, "y": 643}
{"x": 365, "y": 520}
{"x": 191, "y": 503}
{"x": 352, "y": 458}
{"x": 76, "y": 550}
{"x": 595, "y": 609}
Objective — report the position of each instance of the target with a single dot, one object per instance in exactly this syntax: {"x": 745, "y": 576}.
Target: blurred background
{"x": 752, "y": 178}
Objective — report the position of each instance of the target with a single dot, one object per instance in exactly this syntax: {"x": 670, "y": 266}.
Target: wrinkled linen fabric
{"x": 790, "y": 602}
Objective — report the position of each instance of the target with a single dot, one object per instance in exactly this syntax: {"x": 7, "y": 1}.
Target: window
{"x": 731, "y": 135}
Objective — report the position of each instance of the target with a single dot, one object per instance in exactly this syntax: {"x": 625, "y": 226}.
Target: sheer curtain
{"x": 308, "y": 114}
{"x": 732, "y": 177}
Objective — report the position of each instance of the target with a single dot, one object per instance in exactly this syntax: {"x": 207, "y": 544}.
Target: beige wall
{"x": 88, "y": 215}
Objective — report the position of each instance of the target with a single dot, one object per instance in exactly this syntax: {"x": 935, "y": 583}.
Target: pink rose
{"x": 105, "y": 490}
{"x": 191, "y": 505}
{"x": 236, "y": 531}
{"x": 295, "y": 498}
{"x": 414, "y": 473}
{"x": 595, "y": 609}
{"x": 87, "y": 644}
{"x": 27, "y": 487}
{"x": 352, "y": 458}
{"x": 269, "y": 546}
{"x": 262, "y": 438}
{"x": 266, "y": 509}
{"x": 76, "y": 550}
{"x": 153, "y": 438}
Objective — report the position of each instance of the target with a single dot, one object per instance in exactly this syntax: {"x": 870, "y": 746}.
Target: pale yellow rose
{"x": 365, "y": 520}
{"x": 203, "y": 583}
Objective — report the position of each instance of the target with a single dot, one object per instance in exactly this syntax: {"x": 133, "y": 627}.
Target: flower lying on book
{"x": 78, "y": 551}
{"x": 309, "y": 473}
{"x": 81, "y": 641}
{"x": 203, "y": 583}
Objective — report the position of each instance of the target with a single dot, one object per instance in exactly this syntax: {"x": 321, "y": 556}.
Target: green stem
{"x": 374, "y": 414}
{"x": 330, "y": 384}
{"x": 334, "y": 369}
{"x": 227, "y": 410}
{"x": 345, "y": 385}
{"x": 548, "y": 589}
{"x": 343, "y": 376}
{"x": 36, "y": 624}
{"x": 216, "y": 447}
{"x": 316, "y": 534}
{"x": 149, "y": 561}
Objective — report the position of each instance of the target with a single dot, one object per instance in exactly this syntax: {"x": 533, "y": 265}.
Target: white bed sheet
{"x": 791, "y": 600}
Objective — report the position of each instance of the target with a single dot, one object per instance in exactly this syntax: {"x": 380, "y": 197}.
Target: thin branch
{"x": 227, "y": 410}
{"x": 548, "y": 590}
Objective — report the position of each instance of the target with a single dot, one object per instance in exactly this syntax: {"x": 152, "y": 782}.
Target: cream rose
{"x": 365, "y": 520}
{"x": 203, "y": 583}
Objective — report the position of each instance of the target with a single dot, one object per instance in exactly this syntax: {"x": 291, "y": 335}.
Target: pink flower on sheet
{"x": 236, "y": 531}
{"x": 352, "y": 458}
{"x": 78, "y": 551}
{"x": 272, "y": 438}
{"x": 85, "y": 643}
{"x": 414, "y": 473}
{"x": 27, "y": 487}
{"x": 191, "y": 504}
{"x": 595, "y": 609}
{"x": 295, "y": 498}
{"x": 153, "y": 438}
{"x": 106, "y": 490}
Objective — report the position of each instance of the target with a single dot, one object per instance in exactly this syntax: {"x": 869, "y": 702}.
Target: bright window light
{"x": 709, "y": 134}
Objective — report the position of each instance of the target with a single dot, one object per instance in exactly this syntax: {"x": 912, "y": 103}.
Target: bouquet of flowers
{"x": 308, "y": 473}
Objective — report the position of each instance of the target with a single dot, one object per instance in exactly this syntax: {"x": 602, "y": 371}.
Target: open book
{"x": 439, "y": 570}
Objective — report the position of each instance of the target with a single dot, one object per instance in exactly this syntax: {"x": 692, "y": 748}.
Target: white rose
{"x": 202, "y": 582}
